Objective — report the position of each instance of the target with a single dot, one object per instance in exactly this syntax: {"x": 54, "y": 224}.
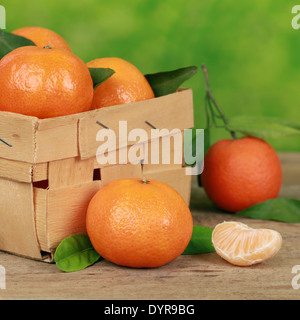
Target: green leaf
{"x": 263, "y": 127}
{"x": 100, "y": 75}
{"x": 200, "y": 241}
{"x": 164, "y": 83}
{"x": 279, "y": 209}
{"x": 75, "y": 253}
{"x": 10, "y": 42}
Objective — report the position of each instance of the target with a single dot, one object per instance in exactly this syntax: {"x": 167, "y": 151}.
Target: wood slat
{"x": 124, "y": 171}
{"x": 36, "y": 140}
{"x": 40, "y": 172}
{"x": 18, "y": 232}
{"x": 18, "y": 131}
{"x": 165, "y": 153}
{"x": 176, "y": 178}
{"x": 120, "y": 156}
{"x": 23, "y": 171}
{"x": 40, "y": 207}
{"x": 174, "y": 111}
{"x": 66, "y": 211}
{"x": 57, "y": 138}
{"x": 16, "y": 170}
{"x": 70, "y": 172}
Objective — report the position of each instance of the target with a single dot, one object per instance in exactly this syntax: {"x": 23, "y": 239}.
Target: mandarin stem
{"x": 211, "y": 98}
{"x": 145, "y": 181}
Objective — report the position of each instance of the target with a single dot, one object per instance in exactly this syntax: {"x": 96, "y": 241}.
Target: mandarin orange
{"x": 44, "y": 83}
{"x": 139, "y": 223}
{"x": 127, "y": 85}
{"x": 43, "y": 37}
{"x": 240, "y": 173}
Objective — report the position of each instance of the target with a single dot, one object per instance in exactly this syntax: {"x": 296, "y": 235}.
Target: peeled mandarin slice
{"x": 244, "y": 246}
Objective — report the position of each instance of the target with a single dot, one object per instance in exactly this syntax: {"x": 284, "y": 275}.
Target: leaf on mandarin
{"x": 75, "y": 253}
{"x": 10, "y": 42}
{"x": 263, "y": 127}
{"x": 279, "y": 209}
{"x": 201, "y": 241}
{"x": 100, "y": 75}
{"x": 164, "y": 83}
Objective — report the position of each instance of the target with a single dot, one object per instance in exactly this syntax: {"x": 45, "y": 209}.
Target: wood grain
{"x": 66, "y": 211}
{"x": 70, "y": 172}
{"x": 33, "y": 140}
{"x": 57, "y": 138}
{"x": 40, "y": 207}
{"x": 199, "y": 277}
{"x": 175, "y": 177}
{"x": 17, "y": 232}
{"x": 19, "y": 132}
{"x": 174, "y": 110}
{"x": 121, "y": 171}
{"x": 23, "y": 171}
{"x": 16, "y": 170}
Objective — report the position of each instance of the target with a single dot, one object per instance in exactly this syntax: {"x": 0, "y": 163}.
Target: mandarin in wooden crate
{"x": 49, "y": 171}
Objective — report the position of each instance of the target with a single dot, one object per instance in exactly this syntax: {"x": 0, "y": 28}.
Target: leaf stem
{"x": 210, "y": 98}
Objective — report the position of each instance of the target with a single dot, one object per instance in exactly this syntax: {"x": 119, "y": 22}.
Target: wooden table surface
{"x": 196, "y": 277}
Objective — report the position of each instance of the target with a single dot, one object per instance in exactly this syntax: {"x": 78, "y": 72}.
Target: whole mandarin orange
{"x": 44, "y": 83}
{"x": 139, "y": 223}
{"x": 127, "y": 85}
{"x": 43, "y": 37}
{"x": 240, "y": 173}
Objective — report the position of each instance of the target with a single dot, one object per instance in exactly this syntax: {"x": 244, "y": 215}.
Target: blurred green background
{"x": 249, "y": 47}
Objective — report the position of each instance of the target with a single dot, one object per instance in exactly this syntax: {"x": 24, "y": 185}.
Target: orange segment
{"x": 244, "y": 246}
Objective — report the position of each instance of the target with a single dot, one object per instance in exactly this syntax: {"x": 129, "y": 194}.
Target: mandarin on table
{"x": 139, "y": 223}
{"x": 244, "y": 246}
{"x": 240, "y": 173}
{"x": 44, "y": 82}
{"x": 43, "y": 37}
{"x": 127, "y": 85}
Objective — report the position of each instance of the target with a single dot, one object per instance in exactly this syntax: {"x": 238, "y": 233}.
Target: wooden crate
{"x": 49, "y": 171}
